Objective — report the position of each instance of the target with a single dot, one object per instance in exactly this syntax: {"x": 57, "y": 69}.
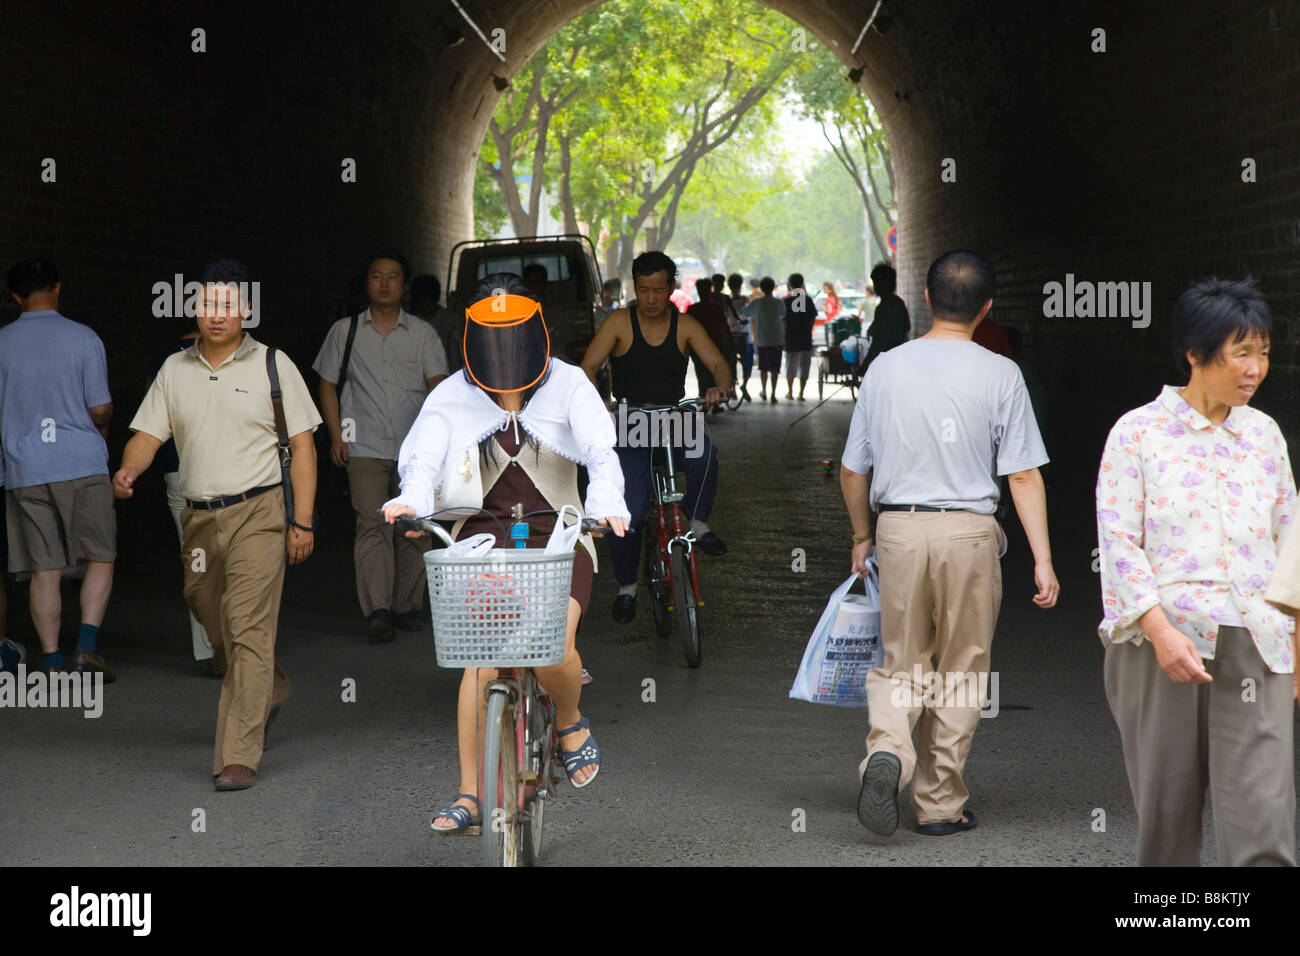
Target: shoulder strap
{"x": 277, "y": 405}
{"x": 281, "y": 431}
{"x": 347, "y": 353}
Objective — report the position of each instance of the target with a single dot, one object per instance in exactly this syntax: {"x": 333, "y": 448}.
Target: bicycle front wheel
{"x": 686, "y": 604}
{"x": 502, "y": 829}
{"x": 654, "y": 579}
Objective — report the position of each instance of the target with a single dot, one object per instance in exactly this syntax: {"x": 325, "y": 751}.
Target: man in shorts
{"x": 54, "y": 413}
{"x": 765, "y": 314}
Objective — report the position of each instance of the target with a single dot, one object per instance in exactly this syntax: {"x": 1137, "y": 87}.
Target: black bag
{"x": 328, "y": 472}
{"x": 282, "y": 438}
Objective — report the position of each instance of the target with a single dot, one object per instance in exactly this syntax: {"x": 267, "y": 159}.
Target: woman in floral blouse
{"x": 1194, "y": 497}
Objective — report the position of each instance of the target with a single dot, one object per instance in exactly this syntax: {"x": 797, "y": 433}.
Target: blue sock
{"x": 54, "y": 659}
{"x": 86, "y": 638}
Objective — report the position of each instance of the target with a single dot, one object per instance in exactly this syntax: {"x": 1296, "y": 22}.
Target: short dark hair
{"x": 499, "y": 282}
{"x": 648, "y": 263}
{"x": 959, "y": 283}
{"x": 1212, "y": 310}
{"x": 795, "y": 281}
{"x": 426, "y": 287}
{"x": 884, "y": 279}
{"x": 734, "y": 282}
{"x": 389, "y": 254}
{"x": 34, "y": 274}
{"x": 704, "y": 289}
{"x": 536, "y": 269}
{"x": 767, "y": 284}
{"x": 226, "y": 270}
{"x": 719, "y": 281}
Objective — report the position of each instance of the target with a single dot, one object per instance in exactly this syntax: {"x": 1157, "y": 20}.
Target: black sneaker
{"x": 380, "y": 626}
{"x": 624, "y": 608}
{"x": 712, "y": 545}
{"x": 412, "y": 620}
{"x": 878, "y": 798}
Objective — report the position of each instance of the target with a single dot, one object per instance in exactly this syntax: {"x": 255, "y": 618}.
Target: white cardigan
{"x": 565, "y": 414}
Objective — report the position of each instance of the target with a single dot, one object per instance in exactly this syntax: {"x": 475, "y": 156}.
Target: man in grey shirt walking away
{"x": 922, "y": 457}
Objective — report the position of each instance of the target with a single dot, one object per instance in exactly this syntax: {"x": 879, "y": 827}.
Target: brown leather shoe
{"x": 236, "y": 776}
{"x": 84, "y": 663}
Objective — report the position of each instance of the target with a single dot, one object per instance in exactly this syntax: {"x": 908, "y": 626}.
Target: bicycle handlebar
{"x": 405, "y": 523}
{"x": 684, "y": 403}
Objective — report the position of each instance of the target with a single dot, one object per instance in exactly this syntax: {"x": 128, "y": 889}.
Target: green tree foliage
{"x": 619, "y": 108}
{"x": 812, "y": 225}
{"x": 855, "y": 135}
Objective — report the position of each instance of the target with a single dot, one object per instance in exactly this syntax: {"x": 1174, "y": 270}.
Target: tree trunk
{"x": 566, "y": 191}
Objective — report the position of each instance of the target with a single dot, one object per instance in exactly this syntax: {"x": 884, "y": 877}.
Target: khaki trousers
{"x": 940, "y": 592}
{"x": 233, "y": 586}
{"x": 390, "y": 568}
{"x": 1232, "y": 737}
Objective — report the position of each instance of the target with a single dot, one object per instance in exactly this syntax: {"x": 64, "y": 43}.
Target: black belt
{"x": 215, "y": 503}
{"x": 916, "y": 508}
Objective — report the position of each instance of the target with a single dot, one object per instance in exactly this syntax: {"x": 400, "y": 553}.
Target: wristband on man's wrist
{"x": 859, "y": 538}
{"x": 302, "y": 527}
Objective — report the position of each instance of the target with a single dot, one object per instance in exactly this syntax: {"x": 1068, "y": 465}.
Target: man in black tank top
{"x": 647, "y": 346}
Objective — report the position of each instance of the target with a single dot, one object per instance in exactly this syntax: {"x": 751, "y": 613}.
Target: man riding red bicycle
{"x": 647, "y": 345}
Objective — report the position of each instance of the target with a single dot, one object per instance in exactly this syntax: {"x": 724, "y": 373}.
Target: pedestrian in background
{"x": 765, "y": 314}
{"x": 890, "y": 324}
{"x": 54, "y": 412}
{"x": 936, "y": 418}
{"x": 393, "y": 360}
{"x": 742, "y": 342}
{"x": 1194, "y": 496}
{"x": 832, "y": 302}
{"x": 800, "y": 316}
{"x": 712, "y": 316}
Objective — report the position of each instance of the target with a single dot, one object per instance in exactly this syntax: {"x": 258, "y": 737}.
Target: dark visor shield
{"x": 507, "y": 347}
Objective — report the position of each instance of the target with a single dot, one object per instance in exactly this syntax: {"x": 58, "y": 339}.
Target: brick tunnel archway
{"x": 1122, "y": 165}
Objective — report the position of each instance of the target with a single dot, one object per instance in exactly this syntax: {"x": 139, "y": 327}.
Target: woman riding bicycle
{"x": 466, "y": 446}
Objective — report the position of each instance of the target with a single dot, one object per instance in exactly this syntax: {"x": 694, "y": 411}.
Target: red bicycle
{"x": 670, "y": 571}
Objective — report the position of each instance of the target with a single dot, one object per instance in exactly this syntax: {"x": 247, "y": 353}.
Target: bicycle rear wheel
{"x": 687, "y": 605}
{"x": 500, "y": 792}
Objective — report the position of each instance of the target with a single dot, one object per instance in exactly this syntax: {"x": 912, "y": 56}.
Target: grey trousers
{"x": 1232, "y": 736}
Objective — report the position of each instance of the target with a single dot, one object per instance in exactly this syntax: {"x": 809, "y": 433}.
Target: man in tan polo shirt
{"x": 396, "y": 358}
{"x": 214, "y": 399}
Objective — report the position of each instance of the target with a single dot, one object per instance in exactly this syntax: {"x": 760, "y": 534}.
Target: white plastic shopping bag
{"x": 844, "y": 646}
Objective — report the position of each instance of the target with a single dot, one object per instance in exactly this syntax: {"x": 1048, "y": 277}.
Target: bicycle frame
{"x": 670, "y": 524}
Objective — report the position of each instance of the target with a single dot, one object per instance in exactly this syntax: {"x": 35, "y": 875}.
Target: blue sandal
{"x": 584, "y": 756}
{"x": 458, "y": 815}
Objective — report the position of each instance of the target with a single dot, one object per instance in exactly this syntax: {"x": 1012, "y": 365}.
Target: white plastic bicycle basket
{"x": 502, "y": 607}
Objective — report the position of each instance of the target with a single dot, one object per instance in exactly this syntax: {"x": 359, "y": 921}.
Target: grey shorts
{"x": 797, "y": 364}
{"x": 54, "y": 525}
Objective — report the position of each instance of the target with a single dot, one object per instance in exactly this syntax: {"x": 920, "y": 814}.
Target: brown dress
{"x": 515, "y": 487}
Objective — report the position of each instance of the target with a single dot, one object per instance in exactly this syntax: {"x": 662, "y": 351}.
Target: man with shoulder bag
{"x": 242, "y": 419}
